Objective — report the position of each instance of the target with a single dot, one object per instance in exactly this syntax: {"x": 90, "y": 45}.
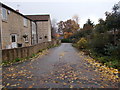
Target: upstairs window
{"x": 25, "y": 22}
{"x": 4, "y": 14}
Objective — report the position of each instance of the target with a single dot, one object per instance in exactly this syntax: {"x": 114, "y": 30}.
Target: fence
{"x": 12, "y": 54}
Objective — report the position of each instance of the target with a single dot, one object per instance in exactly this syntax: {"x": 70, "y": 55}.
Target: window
{"x": 4, "y": 14}
{"x": 25, "y": 22}
{"x": 25, "y": 37}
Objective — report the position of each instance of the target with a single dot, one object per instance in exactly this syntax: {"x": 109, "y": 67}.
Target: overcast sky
{"x": 64, "y": 9}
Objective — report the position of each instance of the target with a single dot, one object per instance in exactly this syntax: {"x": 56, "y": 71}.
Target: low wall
{"x": 23, "y": 52}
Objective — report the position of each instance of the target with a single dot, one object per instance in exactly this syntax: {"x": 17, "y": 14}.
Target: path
{"x": 62, "y": 67}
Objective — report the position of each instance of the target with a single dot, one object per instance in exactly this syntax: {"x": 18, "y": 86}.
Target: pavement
{"x": 60, "y": 67}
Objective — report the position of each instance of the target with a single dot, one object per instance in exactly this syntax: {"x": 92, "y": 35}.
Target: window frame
{"x": 15, "y": 37}
{"x": 4, "y": 14}
{"x": 25, "y": 22}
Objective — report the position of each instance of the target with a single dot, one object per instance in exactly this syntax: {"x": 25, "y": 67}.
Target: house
{"x": 15, "y": 30}
{"x": 18, "y": 30}
{"x": 43, "y": 27}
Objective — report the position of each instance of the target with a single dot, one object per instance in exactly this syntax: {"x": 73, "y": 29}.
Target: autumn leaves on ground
{"x": 68, "y": 67}
{"x": 60, "y": 67}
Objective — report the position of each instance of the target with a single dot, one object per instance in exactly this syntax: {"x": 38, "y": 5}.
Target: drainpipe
{"x": 0, "y": 27}
{"x": 31, "y": 31}
{"x": 0, "y": 46}
{"x": 36, "y": 32}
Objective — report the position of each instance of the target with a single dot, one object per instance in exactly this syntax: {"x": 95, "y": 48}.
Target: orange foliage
{"x": 67, "y": 34}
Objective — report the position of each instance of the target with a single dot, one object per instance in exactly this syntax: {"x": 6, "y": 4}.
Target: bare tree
{"x": 76, "y": 18}
{"x": 54, "y": 27}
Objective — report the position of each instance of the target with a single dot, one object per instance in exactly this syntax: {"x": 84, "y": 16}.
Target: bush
{"x": 82, "y": 43}
{"x": 17, "y": 59}
{"x": 112, "y": 50}
{"x": 66, "y": 41}
{"x": 98, "y": 43}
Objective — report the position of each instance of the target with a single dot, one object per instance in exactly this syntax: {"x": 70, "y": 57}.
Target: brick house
{"x": 18, "y": 30}
{"x": 15, "y": 28}
{"x": 43, "y": 27}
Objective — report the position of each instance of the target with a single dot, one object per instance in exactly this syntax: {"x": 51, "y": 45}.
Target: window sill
{"x": 26, "y": 26}
{"x": 26, "y": 41}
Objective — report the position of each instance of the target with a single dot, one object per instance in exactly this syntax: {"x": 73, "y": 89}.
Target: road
{"x": 61, "y": 67}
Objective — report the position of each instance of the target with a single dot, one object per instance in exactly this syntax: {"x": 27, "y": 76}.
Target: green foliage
{"x": 17, "y": 59}
{"x": 80, "y": 34}
{"x": 33, "y": 55}
{"x": 112, "y": 50}
{"x": 109, "y": 61}
{"x": 98, "y": 43}
{"x": 66, "y": 41}
{"x": 82, "y": 43}
{"x": 40, "y": 50}
{"x": 103, "y": 41}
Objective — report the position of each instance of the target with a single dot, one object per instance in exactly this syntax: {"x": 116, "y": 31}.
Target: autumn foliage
{"x": 68, "y": 27}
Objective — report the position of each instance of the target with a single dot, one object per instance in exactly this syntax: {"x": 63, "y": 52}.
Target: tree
{"x": 68, "y": 27}
{"x": 53, "y": 28}
{"x": 100, "y": 27}
{"x": 71, "y": 26}
{"x": 76, "y": 18}
{"x": 88, "y": 25}
{"x": 113, "y": 21}
{"x": 60, "y": 26}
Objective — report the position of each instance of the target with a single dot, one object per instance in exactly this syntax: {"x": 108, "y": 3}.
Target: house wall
{"x": 49, "y": 30}
{"x": 34, "y": 33}
{"x": 44, "y": 31}
{"x": 14, "y": 25}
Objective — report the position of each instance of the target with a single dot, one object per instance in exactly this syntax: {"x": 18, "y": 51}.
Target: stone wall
{"x": 43, "y": 31}
{"x": 15, "y": 25}
{"x": 23, "y": 52}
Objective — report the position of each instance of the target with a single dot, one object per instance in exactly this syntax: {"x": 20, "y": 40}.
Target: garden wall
{"x": 23, "y": 52}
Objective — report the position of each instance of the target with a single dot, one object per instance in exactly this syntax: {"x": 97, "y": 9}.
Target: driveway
{"x": 61, "y": 67}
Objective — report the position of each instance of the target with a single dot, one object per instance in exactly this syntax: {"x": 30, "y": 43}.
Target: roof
{"x": 5, "y": 6}
{"x": 39, "y": 17}
{"x": 30, "y": 17}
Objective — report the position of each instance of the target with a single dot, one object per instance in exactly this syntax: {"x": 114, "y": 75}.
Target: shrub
{"x": 17, "y": 59}
{"x": 82, "y": 43}
{"x": 98, "y": 43}
{"x": 113, "y": 50}
{"x": 66, "y": 41}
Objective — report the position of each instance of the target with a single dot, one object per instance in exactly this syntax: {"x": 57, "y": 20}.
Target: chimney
{"x": 17, "y": 10}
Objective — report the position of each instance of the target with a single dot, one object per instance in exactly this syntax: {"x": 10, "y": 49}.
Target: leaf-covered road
{"x": 60, "y": 67}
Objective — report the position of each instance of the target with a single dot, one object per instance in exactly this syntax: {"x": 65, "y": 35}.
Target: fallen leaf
{"x": 71, "y": 86}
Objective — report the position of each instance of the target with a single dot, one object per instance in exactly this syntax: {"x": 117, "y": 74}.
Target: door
{"x": 14, "y": 40}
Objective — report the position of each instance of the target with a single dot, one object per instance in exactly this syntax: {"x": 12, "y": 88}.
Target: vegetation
{"x": 102, "y": 41}
{"x": 82, "y": 43}
{"x": 68, "y": 28}
{"x": 66, "y": 41}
